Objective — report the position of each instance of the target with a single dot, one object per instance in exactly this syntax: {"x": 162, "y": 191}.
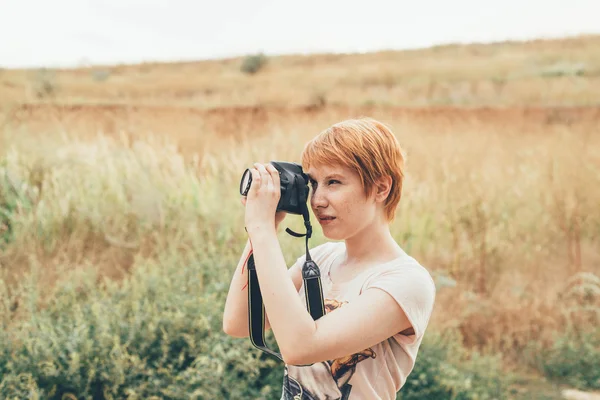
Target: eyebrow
{"x": 327, "y": 177}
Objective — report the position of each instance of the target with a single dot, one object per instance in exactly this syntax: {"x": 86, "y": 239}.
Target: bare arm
{"x": 235, "y": 315}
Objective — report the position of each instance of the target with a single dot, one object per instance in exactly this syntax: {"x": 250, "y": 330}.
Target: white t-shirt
{"x": 381, "y": 370}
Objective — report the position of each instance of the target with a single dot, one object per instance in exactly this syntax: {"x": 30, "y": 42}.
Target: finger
{"x": 269, "y": 178}
{"x": 274, "y": 175}
{"x": 243, "y": 200}
{"x": 256, "y": 181}
{"x": 267, "y": 181}
{"x": 263, "y": 171}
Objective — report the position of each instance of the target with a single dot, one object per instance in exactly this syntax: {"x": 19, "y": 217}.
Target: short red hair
{"x": 365, "y": 146}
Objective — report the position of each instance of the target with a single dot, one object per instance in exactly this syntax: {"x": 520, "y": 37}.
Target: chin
{"x": 342, "y": 232}
{"x": 333, "y": 235}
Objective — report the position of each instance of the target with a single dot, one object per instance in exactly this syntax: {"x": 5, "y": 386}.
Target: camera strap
{"x": 313, "y": 291}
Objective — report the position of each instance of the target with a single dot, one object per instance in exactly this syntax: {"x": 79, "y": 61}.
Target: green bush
{"x": 253, "y": 63}
{"x": 12, "y": 199}
{"x": 573, "y": 358}
{"x": 45, "y": 83}
{"x": 446, "y": 370}
{"x": 159, "y": 333}
{"x": 156, "y": 334}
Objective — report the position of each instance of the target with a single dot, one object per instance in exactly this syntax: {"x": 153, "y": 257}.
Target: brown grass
{"x": 543, "y": 72}
{"x": 502, "y": 199}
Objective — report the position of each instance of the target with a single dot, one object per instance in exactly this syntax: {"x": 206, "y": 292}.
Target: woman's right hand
{"x": 279, "y": 215}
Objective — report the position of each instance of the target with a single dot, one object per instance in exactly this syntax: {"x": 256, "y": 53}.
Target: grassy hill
{"x": 540, "y": 72}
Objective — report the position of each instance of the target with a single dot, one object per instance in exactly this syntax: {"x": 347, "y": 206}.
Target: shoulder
{"x": 405, "y": 275}
{"x": 322, "y": 252}
{"x": 404, "y": 267}
{"x": 413, "y": 289}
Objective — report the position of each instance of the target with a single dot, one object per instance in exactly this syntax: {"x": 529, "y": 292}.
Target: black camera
{"x": 294, "y": 186}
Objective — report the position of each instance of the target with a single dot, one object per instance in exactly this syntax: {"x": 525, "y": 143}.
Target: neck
{"x": 373, "y": 243}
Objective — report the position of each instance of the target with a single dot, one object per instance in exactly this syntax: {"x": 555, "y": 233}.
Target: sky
{"x": 70, "y": 33}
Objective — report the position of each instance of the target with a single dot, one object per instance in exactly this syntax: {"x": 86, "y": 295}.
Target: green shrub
{"x": 446, "y": 370}
{"x": 573, "y": 358}
{"x": 45, "y": 83}
{"x": 253, "y": 63}
{"x": 100, "y": 75}
{"x": 15, "y": 196}
{"x": 563, "y": 69}
{"x": 156, "y": 334}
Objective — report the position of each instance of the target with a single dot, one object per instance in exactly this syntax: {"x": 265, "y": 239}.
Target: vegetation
{"x": 253, "y": 63}
{"x": 120, "y": 227}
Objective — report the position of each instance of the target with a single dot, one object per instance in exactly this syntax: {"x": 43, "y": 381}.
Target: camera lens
{"x": 245, "y": 182}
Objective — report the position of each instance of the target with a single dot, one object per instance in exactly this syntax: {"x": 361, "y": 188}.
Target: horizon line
{"x": 84, "y": 64}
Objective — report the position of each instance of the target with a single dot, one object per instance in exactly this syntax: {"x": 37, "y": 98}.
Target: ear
{"x": 383, "y": 186}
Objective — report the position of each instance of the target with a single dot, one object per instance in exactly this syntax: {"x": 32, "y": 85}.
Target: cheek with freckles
{"x": 357, "y": 212}
{"x": 348, "y": 209}
{"x": 351, "y": 211}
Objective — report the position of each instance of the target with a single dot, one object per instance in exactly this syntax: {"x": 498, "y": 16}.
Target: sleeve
{"x": 414, "y": 291}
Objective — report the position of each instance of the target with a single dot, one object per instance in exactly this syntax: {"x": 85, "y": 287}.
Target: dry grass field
{"x": 545, "y": 73}
{"x": 501, "y": 201}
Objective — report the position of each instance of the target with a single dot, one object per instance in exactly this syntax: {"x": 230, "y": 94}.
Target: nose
{"x": 318, "y": 199}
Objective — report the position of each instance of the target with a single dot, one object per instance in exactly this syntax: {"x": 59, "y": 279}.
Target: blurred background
{"x": 125, "y": 127}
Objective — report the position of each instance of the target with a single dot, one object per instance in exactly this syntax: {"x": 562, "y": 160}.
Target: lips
{"x": 325, "y": 219}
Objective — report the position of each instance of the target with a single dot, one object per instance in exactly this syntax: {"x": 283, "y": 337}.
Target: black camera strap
{"x": 313, "y": 291}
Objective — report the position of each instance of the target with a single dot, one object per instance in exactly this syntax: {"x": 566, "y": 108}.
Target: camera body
{"x": 293, "y": 183}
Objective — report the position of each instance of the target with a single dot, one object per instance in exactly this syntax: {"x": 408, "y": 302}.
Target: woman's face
{"x": 339, "y": 202}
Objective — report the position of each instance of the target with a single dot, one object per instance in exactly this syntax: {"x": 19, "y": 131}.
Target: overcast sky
{"x": 69, "y": 32}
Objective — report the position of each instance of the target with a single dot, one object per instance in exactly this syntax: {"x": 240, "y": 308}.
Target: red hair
{"x": 366, "y": 146}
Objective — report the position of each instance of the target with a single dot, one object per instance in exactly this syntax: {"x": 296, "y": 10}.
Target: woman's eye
{"x": 313, "y": 184}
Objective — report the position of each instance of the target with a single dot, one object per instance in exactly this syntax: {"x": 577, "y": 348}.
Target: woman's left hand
{"x": 262, "y": 198}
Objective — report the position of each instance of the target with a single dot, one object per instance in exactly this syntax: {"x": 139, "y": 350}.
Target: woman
{"x": 378, "y": 298}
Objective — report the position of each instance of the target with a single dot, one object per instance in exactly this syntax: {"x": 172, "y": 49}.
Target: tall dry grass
{"x": 543, "y": 72}
{"x": 509, "y": 210}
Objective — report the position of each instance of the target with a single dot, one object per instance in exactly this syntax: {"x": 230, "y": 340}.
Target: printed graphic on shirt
{"x": 328, "y": 380}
